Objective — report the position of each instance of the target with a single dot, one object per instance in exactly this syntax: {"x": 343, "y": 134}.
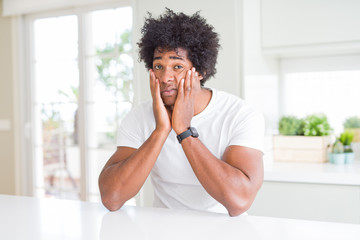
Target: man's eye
{"x": 157, "y": 67}
{"x": 178, "y": 67}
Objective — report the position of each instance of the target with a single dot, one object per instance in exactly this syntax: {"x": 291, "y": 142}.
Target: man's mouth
{"x": 169, "y": 92}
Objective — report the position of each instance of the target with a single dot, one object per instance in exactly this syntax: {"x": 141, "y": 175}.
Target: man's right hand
{"x": 161, "y": 113}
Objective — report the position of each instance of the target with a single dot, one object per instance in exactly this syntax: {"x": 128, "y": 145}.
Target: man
{"x": 203, "y": 147}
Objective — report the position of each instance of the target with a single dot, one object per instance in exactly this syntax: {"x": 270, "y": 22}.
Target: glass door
{"x": 55, "y": 107}
{"x": 81, "y": 89}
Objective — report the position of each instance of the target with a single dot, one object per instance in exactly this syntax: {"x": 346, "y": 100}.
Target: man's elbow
{"x": 239, "y": 208}
{"x": 112, "y": 203}
{"x": 238, "y": 205}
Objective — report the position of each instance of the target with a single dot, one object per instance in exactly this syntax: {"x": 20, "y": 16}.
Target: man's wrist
{"x": 191, "y": 131}
{"x": 162, "y": 132}
{"x": 180, "y": 130}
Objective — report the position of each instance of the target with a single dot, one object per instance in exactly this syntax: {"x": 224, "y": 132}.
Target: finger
{"x": 152, "y": 82}
{"x": 152, "y": 74}
{"x": 157, "y": 89}
{"x": 181, "y": 89}
{"x": 196, "y": 82}
{"x": 193, "y": 75}
{"x": 196, "y": 85}
{"x": 188, "y": 82}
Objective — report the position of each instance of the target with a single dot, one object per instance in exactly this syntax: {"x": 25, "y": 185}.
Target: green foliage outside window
{"x": 113, "y": 70}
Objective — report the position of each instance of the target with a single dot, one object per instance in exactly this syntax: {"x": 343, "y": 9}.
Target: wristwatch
{"x": 190, "y": 132}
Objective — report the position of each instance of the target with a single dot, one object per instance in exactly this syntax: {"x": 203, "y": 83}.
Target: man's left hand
{"x": 185, "y": 102}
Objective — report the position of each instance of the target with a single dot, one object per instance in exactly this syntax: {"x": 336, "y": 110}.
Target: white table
{"x": 32, "y": 218}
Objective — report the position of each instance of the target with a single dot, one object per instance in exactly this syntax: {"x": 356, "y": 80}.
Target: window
{"x": 328, "y": 85}
{"x": 302, "y": 86}
{"x": 334, "y": 93}
{"x": 81, "y": 87}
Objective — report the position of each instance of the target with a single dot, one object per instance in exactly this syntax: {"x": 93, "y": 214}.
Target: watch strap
{"x": 190, "y": 132}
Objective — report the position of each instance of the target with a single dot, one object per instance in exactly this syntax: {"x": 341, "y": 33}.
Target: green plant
{"x": 317, "y": 125}
{"x": 352, "y": 122}
{"x": 346, "y": 138}
{"x": 113, "y": 67}
{"x": 338, "y": 147}
{"x": 291, "y": 125}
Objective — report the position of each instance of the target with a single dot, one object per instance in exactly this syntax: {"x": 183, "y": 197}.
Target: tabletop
{"x": 35, "y": 218}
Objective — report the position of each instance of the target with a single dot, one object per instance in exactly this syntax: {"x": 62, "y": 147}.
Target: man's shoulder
{"x": 227, "y": 100}
{"x": 140, "y": 116}
{"x": 142, "y": 108}
{"x": 234, "y": 105}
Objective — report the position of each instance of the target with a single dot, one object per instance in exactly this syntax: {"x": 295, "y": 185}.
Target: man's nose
{"x": 167, "y": 75}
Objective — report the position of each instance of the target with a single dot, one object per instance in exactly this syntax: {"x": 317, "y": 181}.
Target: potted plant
{"x": 346, "y": 138}
{"x": 337, "y": 155}
{"x": 303, "y": 140}
{"x": 317, "y": 125}
{"x": 291, "y": 126}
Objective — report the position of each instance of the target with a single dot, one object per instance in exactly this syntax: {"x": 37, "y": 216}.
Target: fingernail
{"x": 193, "y": 69}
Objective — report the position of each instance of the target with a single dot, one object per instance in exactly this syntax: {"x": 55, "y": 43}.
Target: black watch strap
{"x": 190, "y": 132}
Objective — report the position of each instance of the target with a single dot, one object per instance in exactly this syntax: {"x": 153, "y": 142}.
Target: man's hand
{"x": 183, "y": 110}
{"x": 161, "y": 113}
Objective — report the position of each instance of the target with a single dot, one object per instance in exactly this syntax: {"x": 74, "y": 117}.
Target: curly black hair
{"x": 178, "y": 30}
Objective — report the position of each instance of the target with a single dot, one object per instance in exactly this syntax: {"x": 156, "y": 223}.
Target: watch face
{"x": 194, "y": 133}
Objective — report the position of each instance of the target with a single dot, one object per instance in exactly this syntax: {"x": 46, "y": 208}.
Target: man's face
{"x": 170, "y": 67}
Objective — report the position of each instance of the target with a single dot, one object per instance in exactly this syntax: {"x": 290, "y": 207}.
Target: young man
{"x": 203, "y": 147}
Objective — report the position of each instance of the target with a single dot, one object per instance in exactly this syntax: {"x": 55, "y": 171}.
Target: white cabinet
{"x": 310, "y": 25}
{"x": 324, "y": 202}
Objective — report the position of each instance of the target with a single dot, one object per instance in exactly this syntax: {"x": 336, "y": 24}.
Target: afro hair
{"x": 178, "y": 30}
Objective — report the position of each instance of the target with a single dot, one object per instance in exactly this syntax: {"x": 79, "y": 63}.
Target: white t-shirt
{"x": 227, "y": 120}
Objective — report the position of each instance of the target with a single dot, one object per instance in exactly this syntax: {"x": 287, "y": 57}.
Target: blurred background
{"x": 69, "y": 73}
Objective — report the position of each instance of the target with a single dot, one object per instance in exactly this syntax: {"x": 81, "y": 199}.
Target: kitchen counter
{"x": 322, "y": 173}
{"x": 32, "y": 218}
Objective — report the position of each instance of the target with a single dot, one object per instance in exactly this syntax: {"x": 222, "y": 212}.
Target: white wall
{"x": 260, "y": 73}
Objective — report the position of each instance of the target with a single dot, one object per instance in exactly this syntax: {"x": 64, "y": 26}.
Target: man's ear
{"x": 201, "y": 76}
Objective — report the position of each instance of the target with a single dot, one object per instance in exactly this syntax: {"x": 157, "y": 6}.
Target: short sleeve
{"x": 129, "y": 133}
{"x": 248, "y": 130}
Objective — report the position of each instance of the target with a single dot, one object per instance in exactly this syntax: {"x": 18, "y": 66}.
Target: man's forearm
{"x": 227, "y": 184}
{"x": 123, "y": 178}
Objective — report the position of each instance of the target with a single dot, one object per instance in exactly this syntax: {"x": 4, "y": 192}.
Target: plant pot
{"x": 349, "y": 157}
{"x": 301, "y": 148}
{"x": 337, "y": 158}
